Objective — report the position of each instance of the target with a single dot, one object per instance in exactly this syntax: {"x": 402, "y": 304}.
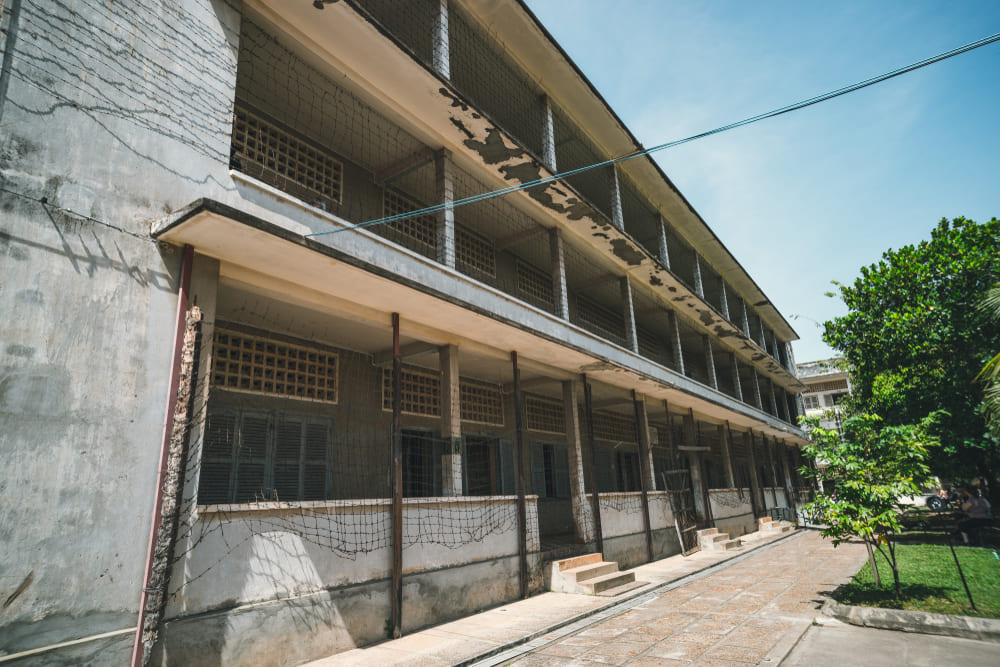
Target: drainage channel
{"x": 572, "y": 626}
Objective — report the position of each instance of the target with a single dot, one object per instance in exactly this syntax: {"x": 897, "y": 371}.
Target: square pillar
{"x": 559, "y": 288}
{"x": 451, "y": 421}
{"x": 735, "y": 369}
{"x": 445, "y": 218}
{"x": 727, "y": 455}
{"x": 755, "y": 387}
{"x": 713, "y": 379}
{"x": 645, "y": 450}
{"x": 440, "y": 58}
{"x": 548, "y": 135}
{"x": 724, "y": 293}
{"x": 617, "y": 216}
{"x": 628, "y": 312}
{"x": 755, "y": 490}
{"x": 675, "y": 342}
{"x": 744, "y": 322}
{"x": 664, "y": 250}
{"x": 699, "y": 286}
{"x": 583, "y": 515}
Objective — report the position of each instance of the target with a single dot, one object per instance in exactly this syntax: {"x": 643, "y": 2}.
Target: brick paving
{"x": 751, "y": 612}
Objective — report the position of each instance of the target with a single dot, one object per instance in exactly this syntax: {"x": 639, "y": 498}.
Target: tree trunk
{"x": 871, "y": 561}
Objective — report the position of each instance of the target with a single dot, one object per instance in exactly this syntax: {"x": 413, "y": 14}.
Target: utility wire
{"x": 646, "y": 151}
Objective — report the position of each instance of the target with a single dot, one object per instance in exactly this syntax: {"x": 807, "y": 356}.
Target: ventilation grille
{"x": 481, "y": 402}
{"x": 419, "y": 229}
{"x": 600, "y": 320}
{"x": 421, "y": 392}
{"x": 544, "y": 414}
{"x": 265, "y": 151}
{"x": 535, "y": 286}
{"x": 609, "y": 426}
{"x": 263, "y": 365}
{"x": 474, "y": 254}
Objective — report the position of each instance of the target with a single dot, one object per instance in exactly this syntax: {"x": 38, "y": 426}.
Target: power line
{"x": 639, "y": 153}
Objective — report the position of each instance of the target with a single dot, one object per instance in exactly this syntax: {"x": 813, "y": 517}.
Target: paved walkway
{"x": 754, "y": 606}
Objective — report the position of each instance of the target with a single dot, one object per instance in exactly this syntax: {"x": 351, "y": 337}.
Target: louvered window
{"x": 264, "y": 456}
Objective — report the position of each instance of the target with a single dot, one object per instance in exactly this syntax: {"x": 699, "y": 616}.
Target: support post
{"x": 735, "y": 370}
{"x": 588, "y": 402}
{"x": 645, "y": 461}
{"x": 440, "y": 58}
{"x": 663, "y": 246}
{"x": 445, "y": 218}
{"x": 724, "y": 299}
{"x": 756, "y": 492}
{"x": 582, "y": 511}
{"x": 548, "y": 135}
{"x": 713, "y": 380}
{"x": 744, "y": 319}
{"x": 755, "y": 386}
{"x": 558, "y": 260}
{"x": 451, "y": 421}
{"x": 774, "y": 470}
{"x": 397, "y": 482}
{"x": 617, "y": 216}
{"x": 699, "y": 286}
{"x": 522, "y": 511}
{"x": 628, "y": 312}
{"x": 727, "y": 455}
{"x": 675, "y": 342}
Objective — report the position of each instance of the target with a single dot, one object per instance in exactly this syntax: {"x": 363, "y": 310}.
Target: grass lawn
{"x": 930, "y": 581}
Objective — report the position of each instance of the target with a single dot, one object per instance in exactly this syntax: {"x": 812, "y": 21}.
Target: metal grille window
{"x": 263, "y": 365}
{"x": 544, "y": 414}
{"x": 535, "y": 286}
{"x": 609, "y": 426}
{"x": 264, "y": 150}
{"x": 419, "y": 229}
{"x": 257, "y": 456}
{"x": 481, "y": 402}
{"x": 829, "y": 385}
{"x": 600, "y": 320}
{"x": 474, "y": 253}
{"x": 421, "y": 392}
{"x": 811, "y": 402}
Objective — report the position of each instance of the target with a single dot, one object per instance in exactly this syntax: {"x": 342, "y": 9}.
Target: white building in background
{"x": 827, "y": 385}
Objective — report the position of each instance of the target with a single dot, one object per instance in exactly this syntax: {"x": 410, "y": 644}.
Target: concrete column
{"x": 441, "y": 60}
{"x": 727, "y": 457}
{"x": 698, "y": 490}
{"x": 800, "y": 404}
{"x": 645, "y": 450}
{"x": 548, "y": 135}
{"x": 664, "y": 251}
{"x": 699, "y": 286}
{"x": 744, "y": 319}
{"x": 735, "y": 370}
{"x": 763, "y": 337}
{"x": 755, "y": 490}
{"x": 725, "y": 299}
{"x": 713, "y": 380}
{"x": 628, "y": 311}
{"x": 617, "y": 216}
{"x": 756, "y": 390}
{"x": 774, "y": 399}
{"x": 451, "y": 421}
{"x": 445, "y": 218}
{"x": 583, "y": 515}
{"x": 559, "y": 289}
{"x": 676, "y": 341}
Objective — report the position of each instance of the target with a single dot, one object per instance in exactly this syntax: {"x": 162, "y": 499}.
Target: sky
{"x": 812, "y": 196}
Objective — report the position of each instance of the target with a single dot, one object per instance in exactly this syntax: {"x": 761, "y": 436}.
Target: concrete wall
{"x": 732, "y": 514}
{"x": 624, "y": 532}
{"x": 113, "y": 115}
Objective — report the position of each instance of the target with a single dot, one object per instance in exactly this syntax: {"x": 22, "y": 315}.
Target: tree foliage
{"x": 990, "y": 375}
{"x": 915, "y": 338}
{"x": 871, "y": 466}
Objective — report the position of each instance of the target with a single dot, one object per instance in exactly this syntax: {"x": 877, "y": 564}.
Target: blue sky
{"x": 811, "y": 196}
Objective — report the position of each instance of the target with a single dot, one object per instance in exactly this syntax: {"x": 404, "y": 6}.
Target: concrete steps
{"x": 771, "y": 527}
{"x": 590, "y": 575}
{"x": 710, "y": 539}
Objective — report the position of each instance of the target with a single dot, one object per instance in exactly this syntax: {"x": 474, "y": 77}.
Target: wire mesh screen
{"x": 641, "y": 220}
{"x": 482, "y": 70}
{"x": 411, "y": 22}
{"x": 599, "y": 319}
{"x": 574, "y": 151}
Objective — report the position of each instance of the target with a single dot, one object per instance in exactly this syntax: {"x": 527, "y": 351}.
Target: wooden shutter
{"x": 215, "y": 481}
{"x": 251, "y": 459}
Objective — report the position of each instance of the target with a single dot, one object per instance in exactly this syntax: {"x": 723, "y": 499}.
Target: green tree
{"x": 915, "y": 338}
{"x": 871, "y": 466}
{"x": 990, "y": 375}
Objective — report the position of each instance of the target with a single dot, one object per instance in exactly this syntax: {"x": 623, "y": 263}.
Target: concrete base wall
{"x": 630, "y": 550}
{"x": 291, "y": 631}
{"x": 732, "y": 514}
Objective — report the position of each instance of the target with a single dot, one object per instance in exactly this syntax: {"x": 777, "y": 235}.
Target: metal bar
{"x": 961, "y": 575}
{"x": 397, "y": 482}
{"x": 522, "y": 513}
{"x": 588, "y": 403}
{"x": 641, "y": 440}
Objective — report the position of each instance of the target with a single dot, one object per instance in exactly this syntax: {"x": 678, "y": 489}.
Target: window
{"x": 810, "y": 402}
{"x": 488, "y": 466}
{"x": 535, "y": 286}
{"x": 544, "y": 414}
{"x": 264, "y": 456}
{"x": 421, "y": 464}
{"x": 549, "y": 471}
{"x": 628, "y": 471}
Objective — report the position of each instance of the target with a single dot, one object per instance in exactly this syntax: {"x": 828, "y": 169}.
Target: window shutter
{"x": 214, "y": 484}
{"x": 438, "y": 450}
{"x": 507, "y": 482}
{"x": 562, "y": 471}
{"x": 317, "y": 476}
{"x": 603, "y": 465}
{"x": 538, "y": 470}
{"x": 287, "y": 457}
{"x": 251, "y": 460}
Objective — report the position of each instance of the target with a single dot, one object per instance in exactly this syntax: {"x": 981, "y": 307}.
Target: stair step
{"x": 618, "y": 590}
{"x": 608, "y": 581}
{"x": 726, "y": 545}
{"x": 706, "y": 532}
{"x": 717, "y": 537}
{"x": 587, "y": 572}
{"x": 578, "y": 561}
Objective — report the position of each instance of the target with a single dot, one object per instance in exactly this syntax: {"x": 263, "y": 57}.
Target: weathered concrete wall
{"x": 732, "y": 514}
{"x": 114, "y": 114}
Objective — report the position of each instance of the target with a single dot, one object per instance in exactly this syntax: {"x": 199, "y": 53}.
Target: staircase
{"x": 591, "y": 575}
{"x": 710, "y": 539}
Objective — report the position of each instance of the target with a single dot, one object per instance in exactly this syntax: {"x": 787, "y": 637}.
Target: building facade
{"x": 242, "y": 425}
{"x": 827, "y": 384}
